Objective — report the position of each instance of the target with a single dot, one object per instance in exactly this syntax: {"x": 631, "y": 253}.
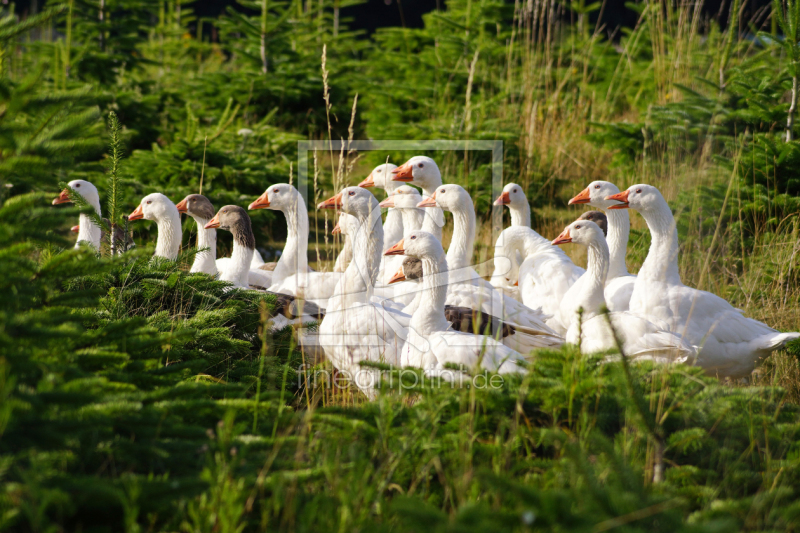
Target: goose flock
{"x": 395, "y": 296}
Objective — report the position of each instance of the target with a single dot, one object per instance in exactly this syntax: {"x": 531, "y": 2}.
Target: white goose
{"x": 545, "y": 275}
{"x": 291, "y": 274}
{"x": 201, "y": 210}
{"x": 356, "y": 328}
{"x": 641, "y": 339}
{"x": 381, "y": 177}
{"x": 514, "y": 197}
{"x": 88, "y": 231}
{"x": 731, "y": 344}
{"x": 160, "y": 209}
{"x": 468, "y": 289}
{"x": 619, "y": 284}
{"x": 431, "y": 343}
{"x": 423, "y": 172}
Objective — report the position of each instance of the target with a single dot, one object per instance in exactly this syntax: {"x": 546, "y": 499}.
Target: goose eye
{"x": 380, "y": 170}
{"x": 578, "y": 226}
{"x": 276, "y": 190}
{"x": 421, "y": 165}
{"x": 149, "y": 202}
{"x": 638, "y": 191}
{"x": 514, "y": 190}
{"x": 442, "y": 191}
{"x": 412, "y": 238}
{"x": 352, "y": 193}
{"x": 77, "y": 185}
{"x": 596, "y": 186}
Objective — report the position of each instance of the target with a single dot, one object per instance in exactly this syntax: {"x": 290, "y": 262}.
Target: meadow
{"x": 135, "y": 396}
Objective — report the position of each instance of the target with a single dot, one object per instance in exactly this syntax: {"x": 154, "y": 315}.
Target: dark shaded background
{"x": 374, "y": 14}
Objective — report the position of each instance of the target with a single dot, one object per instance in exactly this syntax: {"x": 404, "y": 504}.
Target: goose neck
{"x": 587, "y": 293}
{"x": 169, "y": 236}
{"x": 521, "y": 215}
{"x": 88, "y": 231}
{"x": 433, "y": 220}
{"x": 410, "y": 220}
{"x": 462, "y": 243}
{"x": 239, "y": 270}
{"x": 661, "y": 263}
{"x": 429, "y": 314}
{"x": 359, "y": 278}
{"x": 619, "y": 228}
{"x": 205, "y": 260}
{"x": 294, "y": 258}
{"x": 394, "y": 227}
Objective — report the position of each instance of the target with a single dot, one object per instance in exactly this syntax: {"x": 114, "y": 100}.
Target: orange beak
{"x": 336, "y": 230}
{"x": 75, "y": 229}
{"x": 516, "y": 283}
{"x": 403, "y": 173}
{"x": 581, "y": 198}
{"x": 398, "y": 276}
{"x": 331, "y": 203}
{"x": 564, "y": 238}
{"x": 620, "y": 197}
{"x": 428, "y": 202}
{"x": 137, "y": 214}
{"x": 183, "y": 206}
{"x": 63, "y": 198}
{"x": 261, "y": 203}
{"x": 368, "y": 182}
{"x": 397, "y": 249}
{"x": 503, "y": 199}
{"x": 213, "y": 223}
{"x": 389, "y": 202}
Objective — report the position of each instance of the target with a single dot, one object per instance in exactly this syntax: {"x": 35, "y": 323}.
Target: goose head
{"x": 512, "y": 196}
{"x": 196, "y": 206}
{"x": 583, "y": 232}
{"x": 639, "y": 197}
{"x": 419, "y": 244}
{"x": 381, "y": 177}
{"x": 82, "y": 187}
{"x": 281, "y": 197}
{"x": 355, "y": 201}
{"x": 450, "y": 197}
{"x": 154, "y": 206}
{"x": 419, "y": 170}
{"x": 236, "y": 220}
{"x": 595, "y": 195}
{"x": 598, "y": 217}
{"x": 404, "y": 197}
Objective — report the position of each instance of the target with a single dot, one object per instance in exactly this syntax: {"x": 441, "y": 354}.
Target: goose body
{"x": 730, "y": 344}
{"x": 581, "y": 308}
{"x": 432, "y": 344}
{"x": 468, "y": 289}
{"x": 619, "y": 284}
{"x": 545, "y": 275}
{"x": 356, "y": 328}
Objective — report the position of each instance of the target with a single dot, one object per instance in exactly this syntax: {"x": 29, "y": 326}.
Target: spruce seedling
{"x": 115, "y": 153}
